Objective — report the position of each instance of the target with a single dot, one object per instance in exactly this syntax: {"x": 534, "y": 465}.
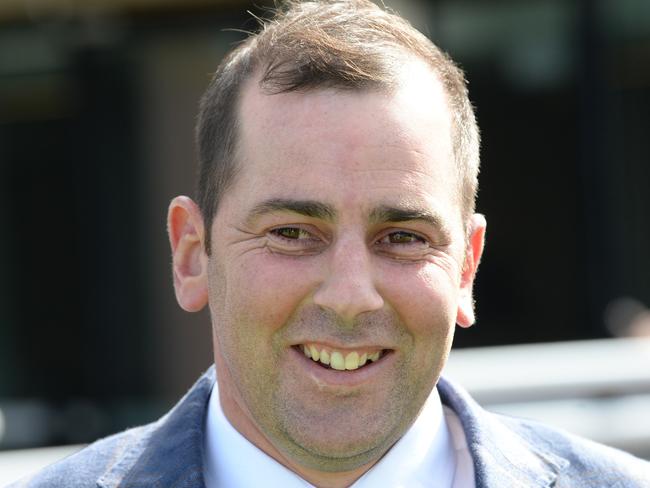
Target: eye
{"x": 403, "y": 244}
{"x": 401, "y": 238}
{"x": 293, "y": 234}
{"x": 295, "y": 239}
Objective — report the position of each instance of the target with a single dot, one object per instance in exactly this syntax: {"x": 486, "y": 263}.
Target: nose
{"x": 349, "y": 288}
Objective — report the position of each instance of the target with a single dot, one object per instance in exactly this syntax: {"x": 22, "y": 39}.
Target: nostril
{"x": 348, "y": 300}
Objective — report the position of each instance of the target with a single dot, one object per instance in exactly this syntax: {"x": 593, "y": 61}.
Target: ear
{"x": 473, "y": 252}
{"x": 189, "y": 261}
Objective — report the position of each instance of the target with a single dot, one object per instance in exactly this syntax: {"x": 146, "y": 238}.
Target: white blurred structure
{"x": 19, "y": 463}
{"x": 599, "y": 389}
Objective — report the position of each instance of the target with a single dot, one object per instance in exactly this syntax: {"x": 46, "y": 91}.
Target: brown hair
{"x": 343, "y": 44}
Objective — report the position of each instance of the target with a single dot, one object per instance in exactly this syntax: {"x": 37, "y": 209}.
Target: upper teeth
{"x": 339, "y": 360}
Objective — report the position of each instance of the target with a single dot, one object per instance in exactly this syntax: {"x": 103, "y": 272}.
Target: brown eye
{"x": 295, "y": 240}
{"x": 293, "y": 234}
{"x": 403, "y": 238}
{"x": 288, "y": 232}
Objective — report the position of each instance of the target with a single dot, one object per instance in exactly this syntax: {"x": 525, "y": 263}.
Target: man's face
{"x": 342, "y": 234}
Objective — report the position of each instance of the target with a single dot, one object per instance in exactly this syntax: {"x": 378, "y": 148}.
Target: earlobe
{"x": 189, "y": 261}
{"x": 474, "y": 251}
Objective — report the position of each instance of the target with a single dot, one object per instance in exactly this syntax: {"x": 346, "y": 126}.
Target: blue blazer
{"x": 507, "y": 452}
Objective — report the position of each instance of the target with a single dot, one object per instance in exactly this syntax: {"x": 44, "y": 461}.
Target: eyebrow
{"x": 386, "y": 213}
{"x": 323, "y": 211}
{"x": 308, "y": 208}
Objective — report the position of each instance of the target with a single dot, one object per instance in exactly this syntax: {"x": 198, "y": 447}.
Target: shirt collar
{"x": 229, "y": 456}
{"x": 425, "y": 453}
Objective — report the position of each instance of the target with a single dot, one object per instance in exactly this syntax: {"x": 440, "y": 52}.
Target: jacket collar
{"x": 172, "y": 454}
{"x": 501, "y": 456}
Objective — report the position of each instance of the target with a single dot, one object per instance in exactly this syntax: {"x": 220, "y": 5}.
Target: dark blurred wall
{"x": 96, "y": 115}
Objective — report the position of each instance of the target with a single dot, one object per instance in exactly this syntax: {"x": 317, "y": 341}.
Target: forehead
{"x": 348, "y": 145}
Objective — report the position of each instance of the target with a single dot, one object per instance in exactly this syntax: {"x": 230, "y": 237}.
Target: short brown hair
{"x": 343, "y": 44}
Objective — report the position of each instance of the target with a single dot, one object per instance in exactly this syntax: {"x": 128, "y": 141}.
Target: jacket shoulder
{"x": 85, "y": 467}
{"x": 590, "y": 463}
{"x": 156, "y": 454}
{"x": 515, "y": 452}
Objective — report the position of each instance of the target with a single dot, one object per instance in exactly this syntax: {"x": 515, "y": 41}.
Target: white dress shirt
{"x": 432, "y": 452}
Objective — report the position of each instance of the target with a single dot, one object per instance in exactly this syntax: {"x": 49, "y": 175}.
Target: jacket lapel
{"x": 501, "y": 456}
{"x": 173, "y": 455}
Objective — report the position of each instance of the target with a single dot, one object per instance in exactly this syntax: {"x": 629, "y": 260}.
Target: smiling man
{"x": 335, "y": 244}
{"x": 339, "y": 264}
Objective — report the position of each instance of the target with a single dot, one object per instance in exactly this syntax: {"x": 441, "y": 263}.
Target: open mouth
{"x": 341, "y": 360}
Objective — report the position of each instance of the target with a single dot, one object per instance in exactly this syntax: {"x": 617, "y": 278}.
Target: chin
{"x": 354, "y": 443}
{"x": 339, "y": 458}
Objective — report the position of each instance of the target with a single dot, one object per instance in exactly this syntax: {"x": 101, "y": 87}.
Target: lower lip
{"x": 346, "y": 378}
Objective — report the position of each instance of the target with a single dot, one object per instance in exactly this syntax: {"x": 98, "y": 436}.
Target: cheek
{"x": 265, "y": 289}
{"x": 425, "y": 299}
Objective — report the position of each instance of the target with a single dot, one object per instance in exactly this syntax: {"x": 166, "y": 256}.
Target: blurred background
{"x": 97, "y": 105}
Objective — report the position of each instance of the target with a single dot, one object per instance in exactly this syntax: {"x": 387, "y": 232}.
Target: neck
{"x": 240, "y": 419}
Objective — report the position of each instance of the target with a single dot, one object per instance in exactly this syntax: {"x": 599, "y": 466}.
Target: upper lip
{"x": 342, "y": 347}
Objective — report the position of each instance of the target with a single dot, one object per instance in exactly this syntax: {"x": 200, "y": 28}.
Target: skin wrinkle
{"x": 261, "y": 244}
{"x": 402, "y": 145}
{"x": 410, "y": 176}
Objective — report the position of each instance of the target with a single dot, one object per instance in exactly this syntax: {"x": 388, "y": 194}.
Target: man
{"x": 335, "y": 243}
